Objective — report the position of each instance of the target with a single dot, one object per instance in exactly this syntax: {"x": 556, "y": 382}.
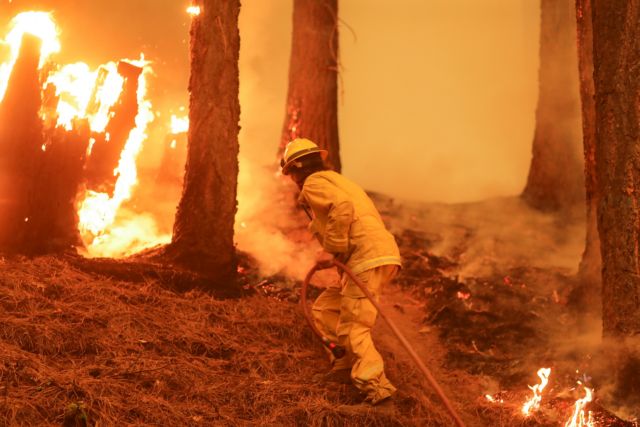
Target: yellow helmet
{"x": 297, "y": 149}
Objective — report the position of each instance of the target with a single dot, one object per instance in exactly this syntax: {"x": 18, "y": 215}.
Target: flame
{"x": 83, "y": 93}
{"x": 492, "y": 399}
{"x": 179, "y": 124}
{"x": 107, "y": 95}
{"x": 194, "y": 10}
{"x": 534, "y": 402}
{"x": 578, "y": 418}
{"x": 39, "y": 24}
{"x": 98, "y": 211}
{"x": 77, "y": 86}
{"x": 463, "y": 295}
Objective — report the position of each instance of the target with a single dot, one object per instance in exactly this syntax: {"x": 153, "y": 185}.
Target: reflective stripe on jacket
{"x": 347, "y": 223}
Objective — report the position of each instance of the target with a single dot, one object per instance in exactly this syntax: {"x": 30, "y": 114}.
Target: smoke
{"x": 494, "y": 235}
{"x": 439, "y": 96}
{"x": 266, "y": 224}
{"x": 447, "y": 115}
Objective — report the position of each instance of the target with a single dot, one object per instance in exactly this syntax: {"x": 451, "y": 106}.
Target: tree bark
{"x": 616, "y": 57}
{"x": 40, "y": 170}
{"x": 203, "y": 230}
{"x": 590, "y": 270}
{"x": 556, "y": 179}
{"x": 20, "y": 146}
{"x": 312, "y": 101}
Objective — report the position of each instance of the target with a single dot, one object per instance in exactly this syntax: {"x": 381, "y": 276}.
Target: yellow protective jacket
{"x": 347, "y": 223}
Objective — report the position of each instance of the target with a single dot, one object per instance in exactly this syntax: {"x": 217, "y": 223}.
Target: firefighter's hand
{"x": 324, "y": 261}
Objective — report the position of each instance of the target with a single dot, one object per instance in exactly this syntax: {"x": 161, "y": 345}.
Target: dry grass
{"x": 126, "y": 353}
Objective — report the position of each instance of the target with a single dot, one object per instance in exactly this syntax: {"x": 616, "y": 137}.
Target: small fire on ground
{"x": 578, "y": 417}
{"x": 533, "y": 403}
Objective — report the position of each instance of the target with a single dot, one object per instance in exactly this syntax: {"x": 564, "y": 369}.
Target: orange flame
{"x": 534, "y": 402}
{"x": 492, "y": 399}
{"x": 179, "y": 124}
{"x": 98, "y": 212}
{"x": 77, "y": 86}
{"x": 578, "y": 418}
{"x": 39, "y": 24}
{"x": 194, "y": 10}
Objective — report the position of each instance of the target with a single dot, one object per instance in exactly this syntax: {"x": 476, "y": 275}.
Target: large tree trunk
{"x": 312, "y": 101}
{"x": 20, "y": 146}
{"x": 590, "y": 271}
{"x": 39, "y": 176}
{"x": 203, "y": 230}
{"x": 555, "y": 179}
{"x": 616, "y": 57}
{"x": 616, "y": 36}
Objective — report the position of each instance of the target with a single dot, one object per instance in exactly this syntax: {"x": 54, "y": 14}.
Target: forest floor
{"x": 484, "y": 297}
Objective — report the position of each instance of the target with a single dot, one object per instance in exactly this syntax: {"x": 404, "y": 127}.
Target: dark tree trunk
{"x": 616, "y": 36}
{"x": 54, "y": 216}
{"x": 616, "y": 58}
{"x": 312, "y": 101}
{"x": 556, "y": 179}
{"x": 203, "y": 230}
{"x": 590, "y": 271}
{"x": 21, "y": 143}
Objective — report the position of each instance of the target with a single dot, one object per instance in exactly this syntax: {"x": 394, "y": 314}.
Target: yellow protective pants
{"x": 345, "y": 315}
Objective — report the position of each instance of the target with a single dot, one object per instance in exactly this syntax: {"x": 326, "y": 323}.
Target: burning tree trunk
{"x": 312, "y": 101}
{"x": 20, "y": 146}
{"x": 616, "y": 58}
{"x": 40, "y": 176}
{"x": 590, "y": 272}
{"x": 203, "y": 230}
{"x": 107, "y": 149}
{"x": 555, "y": 177}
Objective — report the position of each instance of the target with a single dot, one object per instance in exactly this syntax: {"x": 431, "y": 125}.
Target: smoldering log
{"x": 105, "y": 152}
{"x": 20, "y": 145}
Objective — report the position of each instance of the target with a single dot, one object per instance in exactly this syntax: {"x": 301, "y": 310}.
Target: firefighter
{"x": 349, "y": 228}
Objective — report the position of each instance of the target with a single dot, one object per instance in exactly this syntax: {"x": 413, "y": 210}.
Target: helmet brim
{"x": 287, "y": 165}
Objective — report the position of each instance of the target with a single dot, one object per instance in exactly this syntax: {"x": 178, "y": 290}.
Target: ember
{"x": 193, "y": 10}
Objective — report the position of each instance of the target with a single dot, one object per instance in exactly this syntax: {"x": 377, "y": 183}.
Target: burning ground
{"x": 78, "y": 344}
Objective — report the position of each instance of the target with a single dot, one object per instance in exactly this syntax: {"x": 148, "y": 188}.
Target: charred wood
{"x": 21, "y": 143}
{"x": 54, "y": 219}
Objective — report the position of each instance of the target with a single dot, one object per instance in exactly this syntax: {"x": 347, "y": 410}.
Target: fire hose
{"x": 339, "y": 351}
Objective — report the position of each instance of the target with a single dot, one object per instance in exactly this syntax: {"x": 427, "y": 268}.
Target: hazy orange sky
{"x": 439, "y": 95}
